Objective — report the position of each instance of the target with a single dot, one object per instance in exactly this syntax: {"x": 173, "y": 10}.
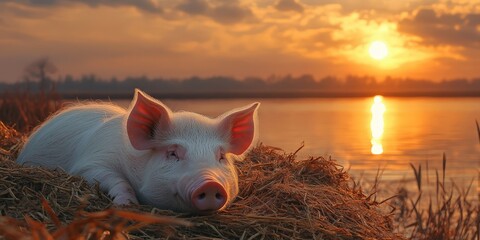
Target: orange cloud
{"x": 447, "y": 28}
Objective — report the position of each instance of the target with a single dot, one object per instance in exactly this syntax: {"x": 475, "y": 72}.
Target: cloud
{"x": 13, "y": 35}
{"x": 288, "y": 5}
{"x": 230, "y": 13}
{"x": 143, "y": 5}
{"x": 14, "y": 10}
{"x": 42, "y": 2}
{"x": 380, "y": 7}
{"x": 446, "y": 28}
{"x": 194, "y": 7}
{"x": 224, "y": 12}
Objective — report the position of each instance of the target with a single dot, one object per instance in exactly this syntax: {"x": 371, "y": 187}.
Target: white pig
{"x": 148, "y": 154}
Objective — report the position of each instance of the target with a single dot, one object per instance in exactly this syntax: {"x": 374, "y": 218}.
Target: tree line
{"x": 40, "y": 76}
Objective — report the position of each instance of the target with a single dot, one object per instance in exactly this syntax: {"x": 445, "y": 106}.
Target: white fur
{"x": 91, "y": 140}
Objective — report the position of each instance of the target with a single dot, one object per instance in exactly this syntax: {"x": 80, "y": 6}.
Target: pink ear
{"x": 239, "y": 125}
{"x": 145, "y": 117}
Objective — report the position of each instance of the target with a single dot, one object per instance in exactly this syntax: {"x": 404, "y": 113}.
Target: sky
{"x": 241, "y": 38}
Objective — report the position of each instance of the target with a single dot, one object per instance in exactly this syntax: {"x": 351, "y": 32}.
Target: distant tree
{"x": 25, "y": 109}
{"x": 353, "y": 82}
{"x": 329, "y": 82}
{"x": 255, "y": 83}
{"x": 307, "y": 81}
{"x": 40, "y": 70}
{"x": 68, "y": 79}
{"x": 475, "y": 83}
{"x": 460, "y": 84}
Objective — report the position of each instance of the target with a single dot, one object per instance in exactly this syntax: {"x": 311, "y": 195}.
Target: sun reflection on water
{"x": 376, "y": 124}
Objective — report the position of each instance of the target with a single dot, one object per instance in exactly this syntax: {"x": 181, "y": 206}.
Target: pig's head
{"x": 189, "y": 167}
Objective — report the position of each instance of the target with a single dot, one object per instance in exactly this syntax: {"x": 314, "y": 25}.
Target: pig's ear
{"x": 239, "y": 125}
{"x": 146, "y": 116}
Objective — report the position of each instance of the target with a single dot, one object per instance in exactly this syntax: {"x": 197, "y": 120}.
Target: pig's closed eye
{"x": 222, "y": 157}
{"x": 172, "y": 155}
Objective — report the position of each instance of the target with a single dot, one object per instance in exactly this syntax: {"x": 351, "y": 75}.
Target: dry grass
{"x": 107, "y": 224}
{"x": 478, "y": 130}
{"x": 450, "y": 214}
{"x": 281, "y": 197}
{"x": 24, "y": 109}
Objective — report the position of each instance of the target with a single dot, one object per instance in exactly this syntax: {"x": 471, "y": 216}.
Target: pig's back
{"x": 63, "y": 139}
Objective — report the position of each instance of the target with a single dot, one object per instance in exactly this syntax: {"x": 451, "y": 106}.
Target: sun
{"x": 378, "y": 50}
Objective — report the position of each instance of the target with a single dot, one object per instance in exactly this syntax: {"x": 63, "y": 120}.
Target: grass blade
{"x": 444, "y": 168}
{"x": 478, "y": 130}
{"x": 418, "y": 176}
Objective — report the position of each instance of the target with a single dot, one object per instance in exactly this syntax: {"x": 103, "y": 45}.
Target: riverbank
{"x": 231, "y": 94}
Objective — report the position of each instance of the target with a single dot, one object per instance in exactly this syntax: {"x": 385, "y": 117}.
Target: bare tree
{"x": 41, "y": 71}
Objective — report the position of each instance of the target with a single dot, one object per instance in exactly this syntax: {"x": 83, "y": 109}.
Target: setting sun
{"x": 378, "y": 50}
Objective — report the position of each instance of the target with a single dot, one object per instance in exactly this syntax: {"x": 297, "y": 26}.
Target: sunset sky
{"x": 181, "y": 38}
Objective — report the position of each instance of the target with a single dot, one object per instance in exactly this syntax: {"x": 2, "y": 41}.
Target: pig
{"x": 148, "y": 154}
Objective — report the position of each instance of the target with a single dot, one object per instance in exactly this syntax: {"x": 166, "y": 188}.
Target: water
{"x": 409, "y": 130}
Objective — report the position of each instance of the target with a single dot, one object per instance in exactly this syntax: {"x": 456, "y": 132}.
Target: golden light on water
{"x": 377, "y": 124}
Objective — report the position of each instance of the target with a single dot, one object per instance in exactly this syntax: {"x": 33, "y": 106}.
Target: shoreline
{"x": 285, "y": 95}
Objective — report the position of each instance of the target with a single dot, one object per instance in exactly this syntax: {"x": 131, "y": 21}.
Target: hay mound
{"x": 280, "y": 197}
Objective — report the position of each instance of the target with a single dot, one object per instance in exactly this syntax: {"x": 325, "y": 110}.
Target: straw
{"x": 281, "y": 196}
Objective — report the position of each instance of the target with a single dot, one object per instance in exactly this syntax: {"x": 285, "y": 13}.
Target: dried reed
{"x": 451, "y": 214}
{"x": 24, "y": 110}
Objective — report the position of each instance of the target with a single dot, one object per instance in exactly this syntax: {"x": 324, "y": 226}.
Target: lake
{"x": 364, "y": 134}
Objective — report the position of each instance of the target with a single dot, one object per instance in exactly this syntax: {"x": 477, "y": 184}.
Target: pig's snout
{"x": 210, "y": 196}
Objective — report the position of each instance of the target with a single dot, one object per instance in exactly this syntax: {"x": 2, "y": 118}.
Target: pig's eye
{"x": 222, "y": 157}
{"x": 172, "y": 155}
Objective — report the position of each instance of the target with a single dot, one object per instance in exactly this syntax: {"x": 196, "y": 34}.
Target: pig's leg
{"x": 113, "y": 183}
{"x": 123, "y": 193}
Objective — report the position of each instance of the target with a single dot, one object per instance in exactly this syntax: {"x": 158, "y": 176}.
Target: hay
{"x": 280, "y": 197}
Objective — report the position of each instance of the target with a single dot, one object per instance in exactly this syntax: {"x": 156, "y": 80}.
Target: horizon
{"x": 305, "y": 86}
{"x": 426, "y": 39}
